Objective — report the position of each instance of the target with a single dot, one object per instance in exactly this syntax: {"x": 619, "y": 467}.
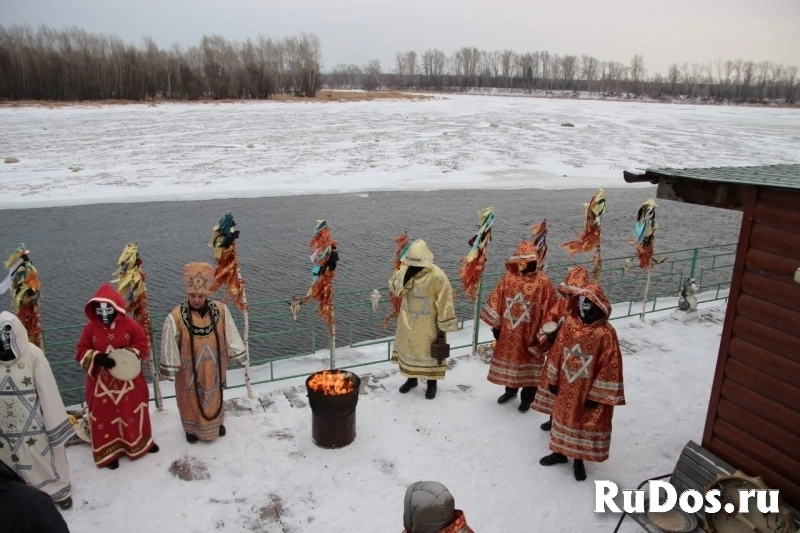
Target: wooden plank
{"x": 771, "y": 411}
{"x": 784, "y": 242}
{"x": 774, "y": 266}
{"x": 782, "y": 197}
{"x": 789, "y": 490}
{"x": 772, "y": 290}
{"x": 775, "y": 365}
{"x": 769, "y": 338}
{"x": 769, "y": 434}
{"x": 771, "y": 459}
{"x": 700, "y": 454}
{"x": 776, "y": 216}
{"x": 769, "y": 314}
{"x": 695, "y": 470}
{"x": 778, "y": 391}
{"x": 681, "y": 478}
{"x": 730, "y": 314}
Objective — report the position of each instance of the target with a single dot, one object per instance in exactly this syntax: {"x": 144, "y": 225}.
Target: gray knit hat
{"x": 429, "y": 507}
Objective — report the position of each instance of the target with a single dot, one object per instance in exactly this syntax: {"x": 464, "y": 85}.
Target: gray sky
{"x": 354, "y": 31}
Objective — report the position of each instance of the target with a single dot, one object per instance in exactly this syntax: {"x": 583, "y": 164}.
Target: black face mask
{"x": 106, "y": 312}
{"x": 6, "y": 354}
{"x": 588, "y": 311}
{"x": 530, "y": 268}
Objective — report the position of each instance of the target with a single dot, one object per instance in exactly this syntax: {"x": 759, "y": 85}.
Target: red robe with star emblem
{"x": 585, "y": 363}
{"x": 577, "y": 277}
{"x": 118, "y": 410}
{"x": 517, "y": 308}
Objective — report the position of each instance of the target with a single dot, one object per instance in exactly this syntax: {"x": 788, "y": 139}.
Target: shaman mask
{"x": 106, "y": 312}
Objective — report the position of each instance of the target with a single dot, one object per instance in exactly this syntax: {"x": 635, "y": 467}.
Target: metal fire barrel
{"x": 333, "y": 417}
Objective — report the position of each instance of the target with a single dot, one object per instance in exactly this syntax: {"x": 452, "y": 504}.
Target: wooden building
{"x": 753, "y": 419}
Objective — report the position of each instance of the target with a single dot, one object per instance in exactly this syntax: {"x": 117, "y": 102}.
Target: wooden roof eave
{"x": 694, "y": 191}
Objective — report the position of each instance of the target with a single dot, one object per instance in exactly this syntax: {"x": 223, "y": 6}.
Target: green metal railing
{"x": 271, "y": 320}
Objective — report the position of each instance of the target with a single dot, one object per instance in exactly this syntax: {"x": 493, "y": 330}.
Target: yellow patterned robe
{"x": 195, "y": 352}
{"x": 427, "y": 307}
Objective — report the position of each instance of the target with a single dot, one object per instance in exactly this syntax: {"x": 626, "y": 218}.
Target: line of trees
{"x": 469, "y": 68}
{"x": 71, "y": 64}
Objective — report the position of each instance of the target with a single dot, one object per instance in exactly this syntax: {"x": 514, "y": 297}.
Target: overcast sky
{"x": 354, "y": 31}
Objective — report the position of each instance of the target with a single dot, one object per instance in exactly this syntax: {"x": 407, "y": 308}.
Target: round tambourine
{"x": 737, "y": 522}
{"x": 127, "y": 365}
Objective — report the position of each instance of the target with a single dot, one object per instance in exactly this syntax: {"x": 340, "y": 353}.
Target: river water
{"x": 75, "y": 249}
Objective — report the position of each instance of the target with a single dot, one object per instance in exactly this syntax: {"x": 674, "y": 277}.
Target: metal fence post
{"x": 476, "y": 317}
{"x": 156, "y": 363}
{"x": 694, "y": 262}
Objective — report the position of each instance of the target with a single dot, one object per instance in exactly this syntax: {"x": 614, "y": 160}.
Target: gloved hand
{"x": 590, "y": 404}
{"x": 553, "y": 389}
{"x": 496, "y": 333}
{"x": 102, "y": 359}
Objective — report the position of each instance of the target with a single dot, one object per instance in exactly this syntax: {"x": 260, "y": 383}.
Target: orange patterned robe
{"x": 577, "y": 277}
{"x": 585, "y": 363}
{"x": 517, "y": 307}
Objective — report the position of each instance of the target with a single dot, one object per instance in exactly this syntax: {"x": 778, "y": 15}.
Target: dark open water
{"x": 75, "y": 248}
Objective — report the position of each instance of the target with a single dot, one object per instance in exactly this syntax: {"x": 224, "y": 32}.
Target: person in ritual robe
{"x": 119, "y": 410}
{"x": 33, "y": 426}
{"x": 198, "y": 340}
{"x": 427, "y": 311}
{"x": 577, "y": 277}
{"x": 430, "y": 508}
{"x": 584, "y": 372}
{"x": 515, "y": 311}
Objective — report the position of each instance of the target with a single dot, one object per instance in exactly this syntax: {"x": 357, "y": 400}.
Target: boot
{"x": 65, "y": 504}
{"x": 222, "y": 431}
{"x": 507, "y": 396}
{"x": 553, "y": 459}
{"x": 113, "y": 465}
{"x": 526, "y": 399}
{"x": 579, "y": 470}
{"x": 431, "y": 392}
{"x": 154, "y": 448}
{"x": 547, "y": 426}
{"x": 408, "y": 385}
{"x": 191, "y": 439}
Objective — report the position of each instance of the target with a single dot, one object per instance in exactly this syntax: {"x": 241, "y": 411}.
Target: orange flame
{"x": 333, "y": 383}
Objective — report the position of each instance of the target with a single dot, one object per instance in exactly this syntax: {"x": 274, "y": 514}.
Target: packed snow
{"x": 182, "y": 151}
{"x": 268, "y": 476}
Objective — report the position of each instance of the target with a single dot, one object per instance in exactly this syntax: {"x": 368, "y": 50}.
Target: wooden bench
{"x": 696, "y": 468}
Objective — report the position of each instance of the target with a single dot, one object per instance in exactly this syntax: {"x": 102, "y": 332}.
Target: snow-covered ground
{"x": 267, "y": 475}
{"x": 130, "y": 153}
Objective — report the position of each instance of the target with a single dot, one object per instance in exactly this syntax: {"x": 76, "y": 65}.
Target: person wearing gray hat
{"x": 430, "y": 508}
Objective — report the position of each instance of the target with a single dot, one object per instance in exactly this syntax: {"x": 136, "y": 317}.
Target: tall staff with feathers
{"x": 589, "y": 240}
{"x": 130, "y": 282}
{"x": 229, "y": 274}
{"x": 401, "y": 247}
{"x": 645, "y": 238}
{"x": 324, "y": 256}
{"x": 473, "y": 265}
{"x": 23, "y": 280}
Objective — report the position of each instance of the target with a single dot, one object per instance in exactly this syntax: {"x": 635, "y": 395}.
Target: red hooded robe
{"x": 118, "y": 410}
{"x": 585, "y": 363}
{"x": 517, "y": 307}
{"x": 577, "y": 278}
